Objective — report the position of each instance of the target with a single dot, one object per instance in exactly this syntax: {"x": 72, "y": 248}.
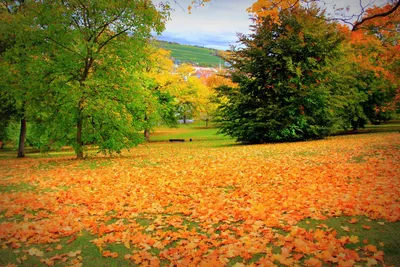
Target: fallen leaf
{"x": 371, "y": 248}
{"x": 35, "y": 252}
{"x": 345, "y": 228}
{"x": 354, "y": 239}
{"x": 353, "y": 220}
{"x": 108, "y": 253}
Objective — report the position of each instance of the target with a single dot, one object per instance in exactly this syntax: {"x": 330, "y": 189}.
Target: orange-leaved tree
{"x": 272, "y": 8}
{"x": 375, "y": 49}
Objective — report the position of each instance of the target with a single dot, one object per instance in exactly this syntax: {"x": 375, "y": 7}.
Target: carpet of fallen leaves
{"x": 205, "y": 205}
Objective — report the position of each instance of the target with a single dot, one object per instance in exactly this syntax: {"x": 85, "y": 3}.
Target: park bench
{"x": 176, "y": 140}
{"x": 179, "y": 140}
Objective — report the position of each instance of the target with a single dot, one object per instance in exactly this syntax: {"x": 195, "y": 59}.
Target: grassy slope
{"x": 186, "y": 53}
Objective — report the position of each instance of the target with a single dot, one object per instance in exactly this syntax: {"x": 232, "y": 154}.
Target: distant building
{"x": 204, "y": 72}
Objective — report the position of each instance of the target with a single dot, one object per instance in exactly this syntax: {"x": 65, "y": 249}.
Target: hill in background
{"x": 200, "y": 56}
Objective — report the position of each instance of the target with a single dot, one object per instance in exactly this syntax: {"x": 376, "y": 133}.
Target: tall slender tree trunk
{"x": 79, "y": 143}
{"x": 79, "y": 129}
{"x": 79, "y": 123}
{"x": 147, "y": 135}
{"x": 22, "y": 136}
{"x": 146, "y": 130}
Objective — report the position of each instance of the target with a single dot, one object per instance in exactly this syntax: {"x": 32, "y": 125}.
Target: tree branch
{"x": 63, "y": 46}
{"x": 111, "y": 38}
{"x": 384, "y": 14}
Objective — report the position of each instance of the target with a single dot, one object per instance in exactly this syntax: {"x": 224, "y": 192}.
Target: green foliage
{"x": 360, "y": 96}
{"x": 75, "y": 70}
{"x": 379, "y": 93}
{"x": 279, "y": 72}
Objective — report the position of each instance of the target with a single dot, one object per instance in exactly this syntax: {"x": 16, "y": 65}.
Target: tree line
{"x": 80, "y": 73}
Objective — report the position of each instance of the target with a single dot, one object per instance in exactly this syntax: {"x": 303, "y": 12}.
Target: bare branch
{"x": 384, "y": 14}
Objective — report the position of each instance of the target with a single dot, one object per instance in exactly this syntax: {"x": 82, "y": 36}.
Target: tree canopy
{"x": 302, "y": 76}
{"x": 87, "y": 55}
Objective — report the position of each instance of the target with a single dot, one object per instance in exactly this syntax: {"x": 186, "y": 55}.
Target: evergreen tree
{"x": 279, "y": 69}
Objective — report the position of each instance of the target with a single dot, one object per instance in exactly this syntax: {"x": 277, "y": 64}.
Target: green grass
{"x": 80, "y": 250}
{"x": 192, "y": 54}
{"x": 11, "y": 188}
{"x": 384, "y": 235}
{"x": 391, "y": 126}
{"x": 195, "y": 131}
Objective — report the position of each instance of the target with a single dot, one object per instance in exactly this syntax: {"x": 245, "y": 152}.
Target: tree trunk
{"x": 22, "y": 136}
{"x": 147, "y": 135}
{"x": 79, "y": 144}
{"x": 207, "y": 123}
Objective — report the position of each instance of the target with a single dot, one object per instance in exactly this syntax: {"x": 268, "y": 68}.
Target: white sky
{"x": 218, "y": 22}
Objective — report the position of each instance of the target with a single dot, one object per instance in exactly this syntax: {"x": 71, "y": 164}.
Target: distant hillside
{"x": 192, "y": 54}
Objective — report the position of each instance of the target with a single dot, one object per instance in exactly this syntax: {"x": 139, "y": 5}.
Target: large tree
{"x": 356, "y": 19}
{"x": 91, "y": 53}
{"x": 278, "y": 71}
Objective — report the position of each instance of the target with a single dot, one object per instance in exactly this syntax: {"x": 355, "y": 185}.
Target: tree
{"x": 91, "y": 52}
{"x": 14, "y": 94}
{"x": 272, "y": 8}
{"x": 186, "y": 92}
{"x": 209, "y": 100}
{"x": 373, "y": 49}
{"x": 278, "y": 72}
{"x": 159, "y": 83}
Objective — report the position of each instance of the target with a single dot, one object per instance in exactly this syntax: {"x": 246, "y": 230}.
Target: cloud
{"x": 218, "y": 22}
{"x": 214, "y": 25}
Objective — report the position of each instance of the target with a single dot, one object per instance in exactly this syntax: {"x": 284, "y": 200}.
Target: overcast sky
{"x": 214, "y": 25}
{"x": 217, "y": 23}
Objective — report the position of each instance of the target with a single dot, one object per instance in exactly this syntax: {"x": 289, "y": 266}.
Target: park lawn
{"x": 196, "y": 131}
{"x": 209, "y": 202}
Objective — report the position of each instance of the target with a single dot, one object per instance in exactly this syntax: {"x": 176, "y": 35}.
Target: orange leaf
{"x": 72, "y": 239}
{"x": 371, "y": 248}
{"x": 108, "y": 253}
{"x": 313, "y": 262}
{"x": 353, "y": 220}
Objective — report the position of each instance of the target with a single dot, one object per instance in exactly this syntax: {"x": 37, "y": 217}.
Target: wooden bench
{"x": 176, "y": 140}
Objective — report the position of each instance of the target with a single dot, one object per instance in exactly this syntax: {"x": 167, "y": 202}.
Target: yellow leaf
{"x": 354, "y": 239}
{"x": 35, "y": 252}
{"x": 345, "y": 228}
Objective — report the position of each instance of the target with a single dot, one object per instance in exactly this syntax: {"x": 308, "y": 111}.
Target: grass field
{"x": 192, "y": 54}
{"x": 210, "y": 202}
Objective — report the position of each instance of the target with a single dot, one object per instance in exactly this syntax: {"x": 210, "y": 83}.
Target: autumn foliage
{"x": 205, "y": 206}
